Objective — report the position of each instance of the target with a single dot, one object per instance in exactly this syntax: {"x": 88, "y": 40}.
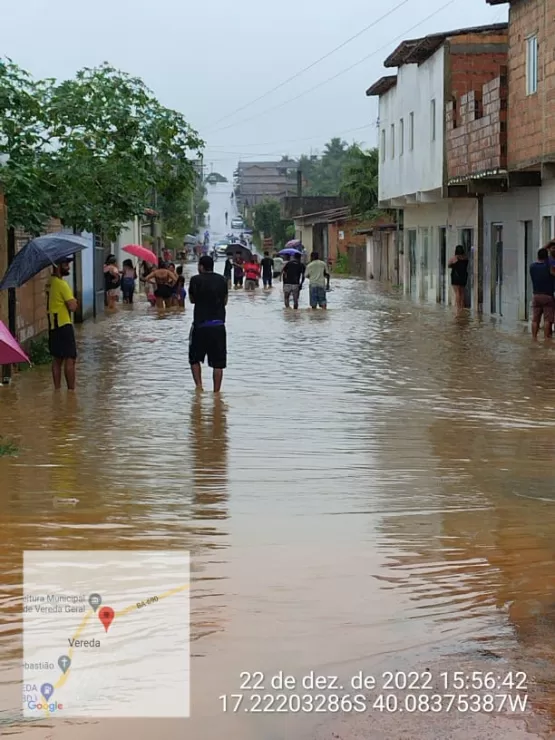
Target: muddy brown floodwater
{"x": 373, "y": 491}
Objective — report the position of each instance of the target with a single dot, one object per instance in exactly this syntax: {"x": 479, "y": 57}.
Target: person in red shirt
{"x": 252, "y": 273}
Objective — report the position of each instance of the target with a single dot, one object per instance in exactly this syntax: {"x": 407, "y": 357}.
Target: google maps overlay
{"x": 106, "y": 634}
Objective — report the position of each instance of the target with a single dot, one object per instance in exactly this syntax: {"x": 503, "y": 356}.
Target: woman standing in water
{"x": 165, "y": 279}
{"x": 111, "y": 281}
{"x": 459, "y": 275}
{"x": 128, "y": 277}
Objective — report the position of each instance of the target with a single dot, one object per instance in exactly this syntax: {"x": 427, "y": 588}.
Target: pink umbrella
{"x": 10, "y": 351}
{"x": 293, "y": 244}
{"x": 142, "y": 253}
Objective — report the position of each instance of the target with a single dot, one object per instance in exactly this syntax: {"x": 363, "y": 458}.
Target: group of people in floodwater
{"x": 164, "y": 284}
{"x": 290, "y": 270}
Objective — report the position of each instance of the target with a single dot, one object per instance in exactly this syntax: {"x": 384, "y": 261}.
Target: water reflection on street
{"x": 374, "y": 489}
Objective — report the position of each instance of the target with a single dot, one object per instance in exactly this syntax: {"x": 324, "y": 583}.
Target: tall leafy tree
{"x": 98, "y": 146}
{"x": 359, "y": 184}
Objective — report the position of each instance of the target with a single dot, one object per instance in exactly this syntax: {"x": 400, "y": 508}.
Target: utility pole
{"x": 300, "y": 197}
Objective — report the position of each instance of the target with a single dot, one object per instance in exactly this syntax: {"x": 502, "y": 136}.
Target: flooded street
{"x": 373, "y": 491}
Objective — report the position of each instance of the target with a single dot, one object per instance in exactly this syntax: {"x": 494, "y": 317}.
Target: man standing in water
{"x": 293, "y": 278}
{"x": 543, "y": 302}
{"x": 317, "y": 274}
{"x": 267, "y": 265}
{"x": 61, "y": 337}
{"x": 208, "y": 293}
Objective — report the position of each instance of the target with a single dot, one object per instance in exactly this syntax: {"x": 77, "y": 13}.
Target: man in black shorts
{"x": 208, "y": 292}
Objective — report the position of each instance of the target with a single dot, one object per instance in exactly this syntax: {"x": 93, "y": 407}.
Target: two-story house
{"x": 412, "y": 131}
{"x": 524, "y": 217}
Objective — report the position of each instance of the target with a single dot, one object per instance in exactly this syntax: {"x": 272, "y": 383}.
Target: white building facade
{"x": 412, "y": 171}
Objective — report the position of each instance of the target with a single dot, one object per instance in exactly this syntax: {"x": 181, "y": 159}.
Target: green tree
{"x": 359, "y": 184}
{"x": 324, "y": 173}
{"x": 267, "y": 219}
{"x": 91, "y": 150}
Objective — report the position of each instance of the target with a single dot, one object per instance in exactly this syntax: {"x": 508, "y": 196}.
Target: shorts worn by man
{"x": 293, "y": 278}
{"x": 317, "y": 274}
{"x": 61, "y": 337}
{"x": 207, "y": 339}
{"x": 543, "y": 303}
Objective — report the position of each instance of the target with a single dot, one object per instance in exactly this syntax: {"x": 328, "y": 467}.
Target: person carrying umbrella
{"x": 61, "y": 336}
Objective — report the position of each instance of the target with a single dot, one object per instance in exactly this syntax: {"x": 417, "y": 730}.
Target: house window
{"x": 433, "y": 119}
{"x": 401, "y": 137}
{"x": 411, "y": 131}
{"x": 392, "y": 144}
{"x": 531, "y": 65}
{"x": 382, "y": 145}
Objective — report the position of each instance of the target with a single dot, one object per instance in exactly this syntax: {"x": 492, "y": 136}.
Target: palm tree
{"x": 360, "y": 182}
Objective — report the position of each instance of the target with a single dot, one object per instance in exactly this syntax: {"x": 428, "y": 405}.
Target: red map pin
{"x": 106, "y": 616}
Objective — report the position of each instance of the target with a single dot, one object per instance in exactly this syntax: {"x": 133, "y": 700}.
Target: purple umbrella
{"x": 290, "y": 251}
{"x": 293, "y": 244}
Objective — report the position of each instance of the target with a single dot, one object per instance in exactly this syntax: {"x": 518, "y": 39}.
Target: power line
{"x": 290, "y": 141}
{"x": 339, "y": 74}
{"x": 314, "y": 64}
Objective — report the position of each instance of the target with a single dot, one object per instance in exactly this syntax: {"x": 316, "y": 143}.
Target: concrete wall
{"x": 84, "y": 284}
{"x": 547, "y": 211}
{"x": 431, "y": 283}
{"x": 421, "y": 168}
{"x": 512, "y": 210}
{"x": 130, "y": 234}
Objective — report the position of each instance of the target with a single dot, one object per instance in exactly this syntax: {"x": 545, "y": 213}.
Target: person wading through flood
{"x": 278, "y": 266}
{"x": 293, "y": 279}
{"x": 543, "y": 303}
{"x": 128, "y": 277}
{"x": 317, "y": 275}
{"x": 238, "y": 271}
{"x": 164, "y": 279}
{"x": 207, "y": 339}
{"x": 267, "y": 265}
{"x": 459, "y": 275}
{"x": 180, "y": 287}
{"x": 112, "y": 281}
{"x": 61, "y": 337}
{"x": 252, "y": 273}
{"x": 228, "y": 270}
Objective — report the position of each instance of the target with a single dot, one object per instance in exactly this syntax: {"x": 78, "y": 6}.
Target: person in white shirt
{"x": 317, "y": 275}
{"x": 278, "y": 266}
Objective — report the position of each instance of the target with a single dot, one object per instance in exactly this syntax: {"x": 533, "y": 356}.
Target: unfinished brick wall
{"x": 474, "y": 60}
{"x": 476, "y": 130}
{"x": 31, "y": 318}
{"x": 531, "y": 117}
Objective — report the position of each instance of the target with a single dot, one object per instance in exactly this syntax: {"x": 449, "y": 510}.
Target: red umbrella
{"x": 142, "y": 253}
{"x": 10, "y": 351}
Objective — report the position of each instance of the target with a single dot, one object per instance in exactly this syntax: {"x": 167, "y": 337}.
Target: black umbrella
{"x": 232, "y": 250}
{"x": 39, "y": 254}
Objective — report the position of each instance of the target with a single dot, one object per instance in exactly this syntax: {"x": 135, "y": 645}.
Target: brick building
{"x": 415, "y": 147}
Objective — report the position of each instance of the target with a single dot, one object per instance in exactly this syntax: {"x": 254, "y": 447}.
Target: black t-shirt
{"x": 208, "y": 291}
{"x": 292, "y": 272}
{"x": 267, "y": 264}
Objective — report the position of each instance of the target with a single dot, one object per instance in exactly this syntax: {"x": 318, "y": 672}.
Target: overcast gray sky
{"x": 211, "y": 57}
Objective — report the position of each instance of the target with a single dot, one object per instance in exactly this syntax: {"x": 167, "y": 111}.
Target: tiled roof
{"x": 382, "y": 85}
{"x": 416, "y": 51}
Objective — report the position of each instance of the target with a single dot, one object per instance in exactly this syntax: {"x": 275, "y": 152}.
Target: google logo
{"x": 50, "y": 707}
